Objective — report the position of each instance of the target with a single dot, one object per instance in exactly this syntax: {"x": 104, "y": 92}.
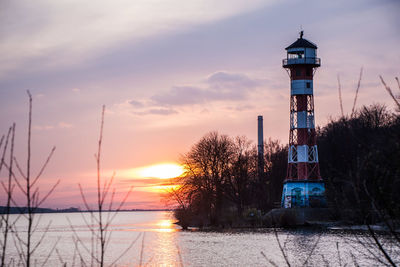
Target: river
{"x": 151, "y": 239}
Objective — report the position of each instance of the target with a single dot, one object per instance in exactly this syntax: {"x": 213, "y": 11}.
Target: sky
{"x": 169, "y": 72}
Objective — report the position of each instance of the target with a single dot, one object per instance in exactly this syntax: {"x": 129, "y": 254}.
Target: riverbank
{"x": 318, "y": 218}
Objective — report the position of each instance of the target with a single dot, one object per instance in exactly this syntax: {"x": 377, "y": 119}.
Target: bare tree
{"x": 101, "y": 216}
{"x": 5, "y": 223}
{"x": 207, "y": 166}
{"x": 275, "y": 158}
{"x": 242, "y": 174}
{"x": 221, "y": 175}
{"x": 31, "y": 191}
{"x": 180, "y": 198}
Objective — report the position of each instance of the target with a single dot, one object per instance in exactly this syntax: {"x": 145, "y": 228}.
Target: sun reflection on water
{"x": 162, "y": 243}
{"x": 166, "y": 226}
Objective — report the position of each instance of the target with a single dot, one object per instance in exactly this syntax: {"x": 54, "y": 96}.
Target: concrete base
{"x": 297, "y": 217}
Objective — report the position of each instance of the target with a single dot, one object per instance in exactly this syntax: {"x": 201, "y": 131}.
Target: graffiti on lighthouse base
{"x": 303, "y": 194}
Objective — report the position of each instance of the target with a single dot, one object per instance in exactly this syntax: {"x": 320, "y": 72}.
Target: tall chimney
{"x": 260, "y": 147}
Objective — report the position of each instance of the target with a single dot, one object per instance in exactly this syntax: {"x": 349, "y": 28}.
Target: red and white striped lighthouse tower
{"x": 303, "y": 186}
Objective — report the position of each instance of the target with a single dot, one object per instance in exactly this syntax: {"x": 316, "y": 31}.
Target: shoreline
{"x": 24, "y": 210}
{"x": 343, "y": 228}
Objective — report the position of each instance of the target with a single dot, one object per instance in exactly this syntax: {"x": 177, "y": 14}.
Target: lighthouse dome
{"x": 302, "y": 43}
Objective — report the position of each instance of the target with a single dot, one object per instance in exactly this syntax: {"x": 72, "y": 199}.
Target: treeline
{"x": 359, "y": 159}
{"x": 22, "y": 210}
{"x": 360, "y": 164}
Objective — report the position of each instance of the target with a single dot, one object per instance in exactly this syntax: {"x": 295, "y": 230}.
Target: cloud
{"x": 234, "y": 80}
{"x": 64, "y": 125}
{"x": 157, "y": 111}
{"x": 142, "y": 108}
{"x": 162, "y": 111}
{"x": 49, "y": 27}
{"x": 43, "y": 127}
{"x": 182, "y": 95}
{"x": 219, "y": 86}
{"x": 135, "y": 103}
{"x": 60, "y": 125}
{"x": 242, "y": 107}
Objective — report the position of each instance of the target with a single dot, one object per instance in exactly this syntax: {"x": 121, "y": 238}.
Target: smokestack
{"x": 260, "y": 147}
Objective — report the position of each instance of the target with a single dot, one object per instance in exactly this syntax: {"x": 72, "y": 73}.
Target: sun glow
{"x": 163, "y": 188}
{"x": 162, "y": 171}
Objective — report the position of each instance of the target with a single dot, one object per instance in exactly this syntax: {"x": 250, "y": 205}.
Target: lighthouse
{"x": 303, "y": 186}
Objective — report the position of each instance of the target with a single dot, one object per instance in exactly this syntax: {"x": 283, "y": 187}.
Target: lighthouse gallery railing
{"x": 307, "y": 60}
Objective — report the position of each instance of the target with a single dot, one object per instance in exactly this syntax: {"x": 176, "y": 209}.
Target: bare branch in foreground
{"x": 340, "y": 96}
{"x": 357, "y": 90}
{"x": 389, "y": 90}
{"x": 32, "y": 196}
{"x": 281, "y": 248}
{"x": 5, "y": 218}
{"x": 100, "y": 234}
{"x": 270, "y": 261}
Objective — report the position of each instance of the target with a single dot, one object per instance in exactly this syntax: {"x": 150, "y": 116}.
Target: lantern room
{"x": 301, "y": 52}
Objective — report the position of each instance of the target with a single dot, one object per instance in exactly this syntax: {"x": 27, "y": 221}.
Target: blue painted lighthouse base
{"x": 303, "y": 194}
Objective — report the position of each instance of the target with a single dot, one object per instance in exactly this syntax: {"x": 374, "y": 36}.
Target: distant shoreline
{"x": 22, "y": 210}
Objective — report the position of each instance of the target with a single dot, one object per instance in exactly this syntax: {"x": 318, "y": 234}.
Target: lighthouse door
{"x": 296, "y": 197}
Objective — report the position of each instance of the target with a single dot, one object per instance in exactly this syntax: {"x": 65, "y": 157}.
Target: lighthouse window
{"x": 298, "y": 72}
{"x": 308, "y": 85}
{"x": 308, "y": 72}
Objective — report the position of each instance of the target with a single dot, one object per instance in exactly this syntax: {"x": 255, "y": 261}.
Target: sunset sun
{"x": 162, "y": 171}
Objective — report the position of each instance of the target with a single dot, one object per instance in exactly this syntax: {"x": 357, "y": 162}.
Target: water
{"x": 151, "y": 239}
